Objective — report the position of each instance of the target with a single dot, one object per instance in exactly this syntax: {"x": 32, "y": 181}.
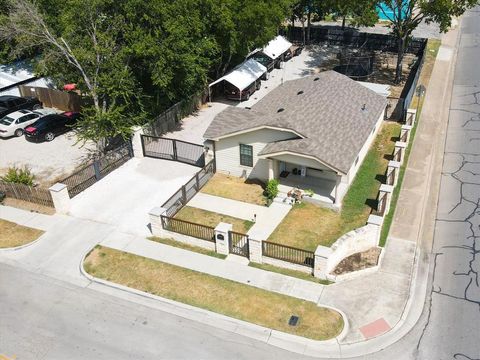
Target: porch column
{"x": 271, "y": 170}
{"x": 338, "y": 181}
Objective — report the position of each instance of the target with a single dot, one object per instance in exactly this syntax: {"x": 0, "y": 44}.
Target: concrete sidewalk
{"x": 28, "y": 218}
{"x": 267, "y": 218}
{"x": 302, "y": 289}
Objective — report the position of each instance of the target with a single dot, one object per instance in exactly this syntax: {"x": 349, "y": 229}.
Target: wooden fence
{"x": 62, "y": 100}
{"x": 33, "y": 194}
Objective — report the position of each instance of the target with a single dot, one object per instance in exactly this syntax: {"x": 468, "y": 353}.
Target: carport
{"x": 242, "y": 76}
{"x": 277, "y": 47}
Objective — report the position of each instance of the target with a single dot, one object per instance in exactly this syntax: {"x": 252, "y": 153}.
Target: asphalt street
{"x": 42, "y": 318}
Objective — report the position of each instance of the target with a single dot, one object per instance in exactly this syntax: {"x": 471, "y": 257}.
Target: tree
{"x": 85, "y": 47}
{"x": 406, "y": 15}
{"x": 361, "y": 12}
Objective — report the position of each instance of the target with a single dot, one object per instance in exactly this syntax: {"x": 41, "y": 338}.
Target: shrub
{"x": 19, "y": 176}
{"x": 271, "y": 190}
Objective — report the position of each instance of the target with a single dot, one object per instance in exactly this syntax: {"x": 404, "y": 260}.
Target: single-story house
{"x": 242, "y": 81}
{"x": 311, "y": 133}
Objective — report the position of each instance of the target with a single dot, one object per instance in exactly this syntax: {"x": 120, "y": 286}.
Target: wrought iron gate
{"x": 172, "y": 149}
{"x": 238, "y": 243}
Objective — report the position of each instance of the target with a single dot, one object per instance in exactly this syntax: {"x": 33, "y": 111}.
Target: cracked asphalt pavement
{"x": 451, "y": 329}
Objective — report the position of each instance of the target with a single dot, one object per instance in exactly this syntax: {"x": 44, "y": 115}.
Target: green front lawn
{"x": 308, "y": 225}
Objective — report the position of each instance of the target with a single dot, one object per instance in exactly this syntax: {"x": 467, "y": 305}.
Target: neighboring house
{"x": 311, "y": 133}
{"x": 18, "y": 73}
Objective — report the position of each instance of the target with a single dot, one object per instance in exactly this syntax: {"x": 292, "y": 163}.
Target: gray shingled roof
{"x": 333, "y": 115}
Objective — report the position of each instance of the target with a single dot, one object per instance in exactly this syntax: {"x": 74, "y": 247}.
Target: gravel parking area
{"x": 49, "y": 161}
{"x": 193, "y": 127}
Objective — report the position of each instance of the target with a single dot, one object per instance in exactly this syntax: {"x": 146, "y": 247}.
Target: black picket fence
{"x": 188, "y": 191}
{"x": 188, "y": 228}
{"x": 288, "y": 253}
{"x": 97, "y": 169}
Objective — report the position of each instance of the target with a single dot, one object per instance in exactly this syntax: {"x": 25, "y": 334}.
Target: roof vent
{"x": 247, "y": 107}
{"x": 280, "y": 110}
{"x": 364, "y": 107}
{"x": 316, "y": 79}
{"x": 300, "y": 92}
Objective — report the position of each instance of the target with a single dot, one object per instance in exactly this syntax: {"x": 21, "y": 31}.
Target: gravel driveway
{"x": 49, "y": 161}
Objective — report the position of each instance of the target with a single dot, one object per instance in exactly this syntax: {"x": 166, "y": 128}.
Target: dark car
{"x": 10, "y": 103}
{"x": 49, "y": 126}
{"x": 265, "y": 61}
{"x": 232, "y": 93}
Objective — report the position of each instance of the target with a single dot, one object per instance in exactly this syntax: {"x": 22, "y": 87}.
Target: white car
{"x": 14, "y": 123}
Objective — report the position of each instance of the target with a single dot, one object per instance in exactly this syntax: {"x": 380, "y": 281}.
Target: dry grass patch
{"x": 213, "y": 293}
{"x": 308, "y": 225}
{"x": 232, "y": 187}
{"x": 209, "y": 218}
{"x": 12, "y": 234}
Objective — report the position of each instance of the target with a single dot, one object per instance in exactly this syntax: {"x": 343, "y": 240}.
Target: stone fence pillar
{"x": 399, "y": 152}
{"x": 222, "y": 238}
{"x": 377, "y": 221}
{"x": 322, "y": 254}
{"x": 384, "y": 198}
{"x": 60, "y": 197}
{"x": 155, "y": 216}
{"x": 255, "y": 243}
{"x": 137, "y": 143}
{"x": 405, "y": 133}
{"x": 393, "y": 171}
{"x": 411, "y": 117}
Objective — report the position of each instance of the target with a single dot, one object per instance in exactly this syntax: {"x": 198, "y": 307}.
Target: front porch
{"x": 308, "y": 176}
{"x": 323, "y": 190}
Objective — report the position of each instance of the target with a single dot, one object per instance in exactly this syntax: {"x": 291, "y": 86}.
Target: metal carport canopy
{"x": 244, "y": 74}
{"x": 276, "y": 47}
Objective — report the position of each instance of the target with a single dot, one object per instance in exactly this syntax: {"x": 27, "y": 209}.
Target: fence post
{"x": 197, "y": 181}
{"x": 399, "y": 152}
{"x": 222, "y": 239}
{"x": 322, "y": 253}
{"x": 155, "y": 216}
{"x": 96, "y": 168}
{"x": 60, "y": 198}
{"x": 175, "y": 155}
{"x": 138, "y": 148}
{"x": 184, "y": 195}
{"x": 255, "y": 248}
{"x": 393, "y": 168}
{"x": 411, "y": 117}
{"x": 405, "y": 133}
{"x": 384, "y": 197}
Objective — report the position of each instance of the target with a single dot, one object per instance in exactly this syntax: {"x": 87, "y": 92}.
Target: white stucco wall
{"x": 227, "y": 152}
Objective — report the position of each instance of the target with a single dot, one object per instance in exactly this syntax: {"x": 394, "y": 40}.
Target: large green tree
{"x": 406, "y": 15}
{"x": 134, "y": 58}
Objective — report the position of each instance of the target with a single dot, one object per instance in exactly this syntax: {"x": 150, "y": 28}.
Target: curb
{"x": 16, "y": 248}
{"x": 285, "y": 341}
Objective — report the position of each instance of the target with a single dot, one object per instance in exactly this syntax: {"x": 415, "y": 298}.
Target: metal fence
{"x": 336, "y": 36}
{"x": 97, "y": 169}
{"x": 288, "y": 253}
{"x": 36, "y": 195}
{"x": 172, "y": 149}
{"x": 188, "y": 228}
{"x": 238, "y": 244}
{"x": 188, "y": 191}
{"x": 169, "y": 120}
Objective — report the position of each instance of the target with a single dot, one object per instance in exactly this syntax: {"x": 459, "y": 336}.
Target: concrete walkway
{"x": 267, "y": 218}
{"x": 27, "y": 218}
{"x": 302, "y": 289}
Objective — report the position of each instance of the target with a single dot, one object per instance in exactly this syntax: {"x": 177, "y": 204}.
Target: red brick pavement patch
{"x": 375, "y": 328}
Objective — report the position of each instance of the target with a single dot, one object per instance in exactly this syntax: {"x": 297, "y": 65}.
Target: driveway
{"x": 124, "y": 197}
{"x": 49, "y": 161}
